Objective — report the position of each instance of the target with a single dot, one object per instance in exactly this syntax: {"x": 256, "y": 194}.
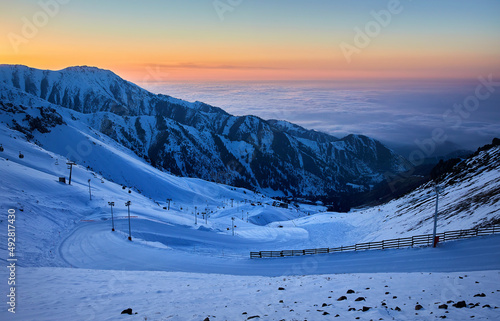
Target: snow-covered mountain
{"x": 470, "y": 197}
{"x": 196, "y": 139}
{"x": 57, "y": 214}
{"x": 69, "y": 260}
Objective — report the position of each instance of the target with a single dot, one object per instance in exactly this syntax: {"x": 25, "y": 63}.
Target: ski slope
{"x": 73, "y": 267}
{"x": 90, "y": 294}
{"x": 94, "y": 246}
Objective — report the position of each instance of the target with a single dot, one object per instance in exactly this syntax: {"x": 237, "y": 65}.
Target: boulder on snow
{"x": 127, "y": 311}
{"x": 460, "y": 304}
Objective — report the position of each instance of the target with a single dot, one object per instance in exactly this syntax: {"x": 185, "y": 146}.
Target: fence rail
{"x": 413, "y": 241}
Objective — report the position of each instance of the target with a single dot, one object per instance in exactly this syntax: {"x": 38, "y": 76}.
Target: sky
{"x": 388, "y": 69}
{"x": 256, "y": 39}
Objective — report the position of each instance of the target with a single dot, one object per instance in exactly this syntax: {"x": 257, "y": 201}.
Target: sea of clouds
{"x": 400, "y": 114}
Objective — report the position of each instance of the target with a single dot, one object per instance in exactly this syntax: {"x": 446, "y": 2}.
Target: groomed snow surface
{"x": 82, "y": 294}
{"x": 71, "y": 266}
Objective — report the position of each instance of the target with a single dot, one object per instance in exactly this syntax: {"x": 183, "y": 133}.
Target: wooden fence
{"x": 413, "y": 241}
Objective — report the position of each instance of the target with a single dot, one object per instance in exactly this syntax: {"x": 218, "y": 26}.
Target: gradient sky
{"x": 160, "y": 40}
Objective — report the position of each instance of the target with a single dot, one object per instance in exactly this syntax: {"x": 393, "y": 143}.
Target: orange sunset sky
{"x": 256, "y": 40}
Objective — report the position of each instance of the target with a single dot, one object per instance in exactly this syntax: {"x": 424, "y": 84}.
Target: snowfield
{"x": 81, "y": 294}
{"x": 185, "y": 265}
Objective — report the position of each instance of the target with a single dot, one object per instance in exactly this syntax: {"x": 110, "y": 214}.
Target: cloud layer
{"x": 397, "y": 114}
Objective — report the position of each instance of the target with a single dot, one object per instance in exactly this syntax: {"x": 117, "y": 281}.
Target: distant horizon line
{"x": 349, "y": 80}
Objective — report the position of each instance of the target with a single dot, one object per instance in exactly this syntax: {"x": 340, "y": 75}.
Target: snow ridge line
{"x": 413, "y": 241}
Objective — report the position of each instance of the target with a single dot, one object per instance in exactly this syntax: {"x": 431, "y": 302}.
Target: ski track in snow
{"x": 92, "y": 245}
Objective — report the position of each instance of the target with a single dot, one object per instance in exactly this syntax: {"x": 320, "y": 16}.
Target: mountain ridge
{"x": 200, "y": 140}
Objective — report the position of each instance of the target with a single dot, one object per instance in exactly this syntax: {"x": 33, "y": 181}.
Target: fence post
{"x": 412, "y": 241}
{"x": 383, "y": 245}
